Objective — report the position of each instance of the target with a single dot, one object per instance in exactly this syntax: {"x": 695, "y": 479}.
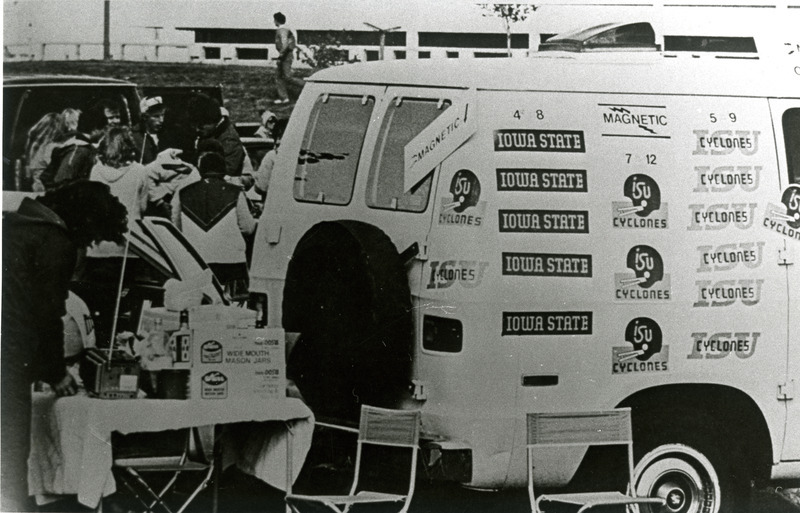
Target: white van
{"x": 572, "y": 231}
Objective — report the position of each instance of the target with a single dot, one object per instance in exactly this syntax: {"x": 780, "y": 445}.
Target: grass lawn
{"x": 246, "y": 89}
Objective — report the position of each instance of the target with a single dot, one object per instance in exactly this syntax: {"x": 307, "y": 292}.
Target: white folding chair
{"x": 188, "y": 457}
{"x": 382, "y": 427}
{"x": 612, "y": 427}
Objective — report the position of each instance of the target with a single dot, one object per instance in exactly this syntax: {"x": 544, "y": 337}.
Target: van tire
{"x": 347, "y": 294}
{"x": 691, "y": 465}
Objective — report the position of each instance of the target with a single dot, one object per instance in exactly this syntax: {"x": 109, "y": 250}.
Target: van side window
{"x": 791, "y": 138}
{"x": 404, "y": 119}
{"x": 326, "y": 166}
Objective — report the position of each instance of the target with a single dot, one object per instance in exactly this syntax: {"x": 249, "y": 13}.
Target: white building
{"x": 242, "y": 31}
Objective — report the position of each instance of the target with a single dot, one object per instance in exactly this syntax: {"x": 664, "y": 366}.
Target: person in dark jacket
{"x": 73, "y": 156}
{"x": 209, "y": 123}
{"x": 214, "y": 216}
{"x": 40, "y": 243}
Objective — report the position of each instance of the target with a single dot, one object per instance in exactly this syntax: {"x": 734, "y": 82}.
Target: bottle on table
{"x": 180, "y": 343}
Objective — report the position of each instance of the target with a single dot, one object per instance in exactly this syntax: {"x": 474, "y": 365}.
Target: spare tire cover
{"x": 347, "y": 294}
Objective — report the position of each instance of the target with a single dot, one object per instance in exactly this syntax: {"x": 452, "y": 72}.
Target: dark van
{"x": 27, "y": 98}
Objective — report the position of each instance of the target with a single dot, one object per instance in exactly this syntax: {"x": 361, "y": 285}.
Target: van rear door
{"x": 783, "y": 216}
{"x": 419, "y": 129}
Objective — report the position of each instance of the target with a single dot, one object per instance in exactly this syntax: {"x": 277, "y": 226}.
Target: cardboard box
{"x": 238, "y": 363}
{"x": 230, "y": 359}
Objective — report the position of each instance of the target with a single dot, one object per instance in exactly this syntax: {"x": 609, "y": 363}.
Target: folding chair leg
{"x": 197, "y": 489}
{"x": 155, "y": 498}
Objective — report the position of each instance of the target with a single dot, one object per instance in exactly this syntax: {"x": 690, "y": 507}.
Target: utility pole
{"x": 107, "y": 30}
{"x": 382, "y": 33}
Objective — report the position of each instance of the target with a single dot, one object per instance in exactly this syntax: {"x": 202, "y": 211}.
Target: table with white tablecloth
{"x": 72, "y": 454}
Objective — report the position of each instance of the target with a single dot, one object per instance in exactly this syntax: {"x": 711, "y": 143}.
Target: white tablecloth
{"x": 71, "y": 438}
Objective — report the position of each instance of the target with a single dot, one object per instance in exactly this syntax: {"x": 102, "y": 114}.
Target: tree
{"x": 510, "y": 13}
{"x": 327, "y": 51}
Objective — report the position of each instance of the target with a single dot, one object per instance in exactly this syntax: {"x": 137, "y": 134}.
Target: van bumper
{"x": 786, "y": 471}
{"x": 447, "y": 461}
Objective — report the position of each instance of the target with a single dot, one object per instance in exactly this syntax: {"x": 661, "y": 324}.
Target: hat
{"x": 266, "y": 116}
{"x": 150, "y": 102}
{"x": 212, "y": 164}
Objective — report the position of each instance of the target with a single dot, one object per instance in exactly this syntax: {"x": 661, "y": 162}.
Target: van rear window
{"x": 326, "y": 166}
{"x": 404, "y": 119}
{"x": 791, "y": 135}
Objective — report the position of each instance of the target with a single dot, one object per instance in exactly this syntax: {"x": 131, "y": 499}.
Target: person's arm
{"x": 234, "y": 155}
{"x": 264, "y": 173}
{"x": 52, "y": 268}
{"x": 247, "y": 223}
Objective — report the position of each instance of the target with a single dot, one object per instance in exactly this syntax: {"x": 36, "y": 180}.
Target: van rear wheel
{"x": 694, "y": 462}
{"x": 682, "y": 476}
{"x": 347, "y": 294}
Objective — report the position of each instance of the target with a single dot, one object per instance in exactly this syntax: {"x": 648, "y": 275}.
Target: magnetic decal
{"x": 720, "y": 345}
{"x": 541, "y": 180}
{"x": 645, "y": 209}
{"x": 785, "y": 218}
{"x": 556, "y": 141}
{"x": 463, "y": 207}
{"x": 543, "y": 221}
{"x": 646, "y": 352}
{"x": 721, "y": 215}
{"x": 726, "y": 178}
{"x": 726, "y": 257}
{"x": 725, "y": 142}
{"x": 648, "y": 282}
{"x": 547, "y": 323}
{"x": 547, "y": 264}
{"x": 467, "y": 273}
{"x": 727, "y": 292}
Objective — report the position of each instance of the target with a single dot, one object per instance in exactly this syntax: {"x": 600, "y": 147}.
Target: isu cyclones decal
{"x": 646, "y": 352}
{"x": 648, "y": 282}
{"x": 785, "y": 218}
{"x": 463, "y": 207}
{"x": 645, "y": 209}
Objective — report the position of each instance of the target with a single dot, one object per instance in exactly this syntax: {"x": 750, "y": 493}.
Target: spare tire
{"x": 347, "y": 294}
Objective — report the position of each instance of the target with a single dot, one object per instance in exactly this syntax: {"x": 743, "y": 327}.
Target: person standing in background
{"x": 264, "y": 173}
{"x": 285, "y": 44}
{"x": 147, "y": 135}
{"x": 40, "y": 244}
{"x": 209, "y": 123}
{"x": 214, "y": 216}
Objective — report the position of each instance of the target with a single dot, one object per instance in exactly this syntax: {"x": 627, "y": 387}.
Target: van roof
{"x": 617, "y": 72}
{"x": 49, "y": 80}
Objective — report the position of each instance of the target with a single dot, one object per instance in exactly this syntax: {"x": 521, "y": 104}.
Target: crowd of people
{"x": 95, "y": 184}
{"x": 149, "y": 165}
{"x": 97, "y": 175}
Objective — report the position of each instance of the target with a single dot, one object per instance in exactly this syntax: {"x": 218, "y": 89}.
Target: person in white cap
{"x": 146, "y": 135}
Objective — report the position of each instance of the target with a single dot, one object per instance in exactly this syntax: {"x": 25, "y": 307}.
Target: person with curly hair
{"x": 74, "y": 155}
{"x": 43, "y": 138}
{"x": 40, "y": 244}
